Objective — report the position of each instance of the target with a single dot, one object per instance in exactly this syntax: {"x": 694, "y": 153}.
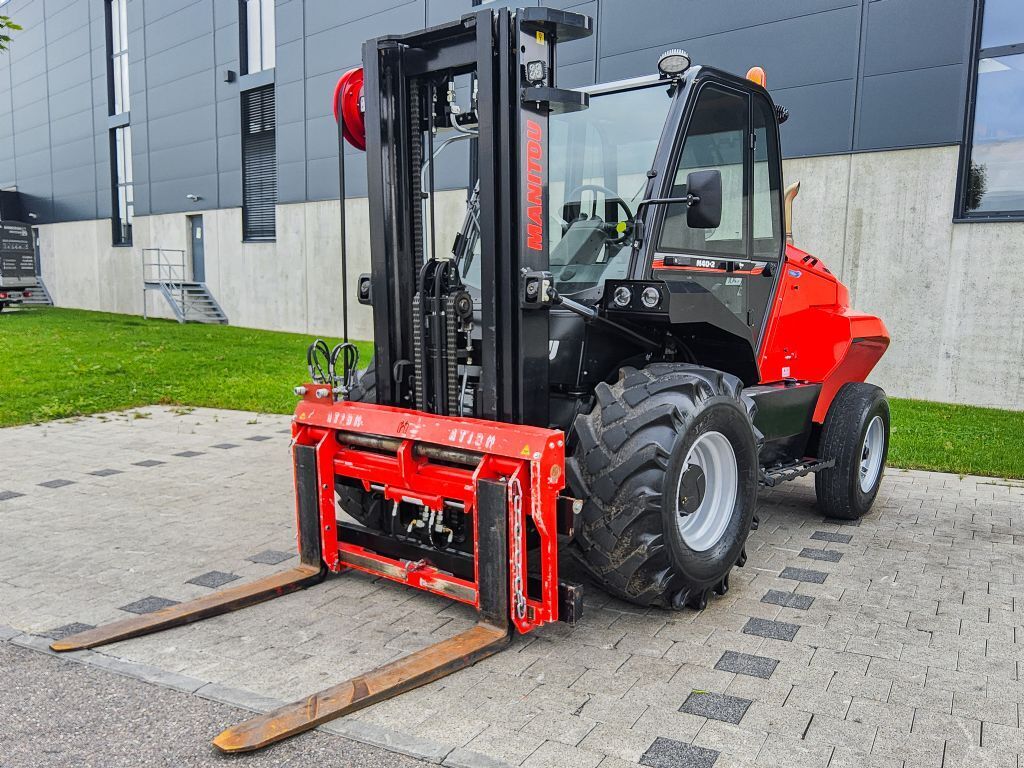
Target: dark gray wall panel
{"x": 920, "y": 107}
{"x": 856, "y": 75}
{"x": 915, "y": 34}
{"x": 626, "y": 24}
{"x": 827, "y": 51}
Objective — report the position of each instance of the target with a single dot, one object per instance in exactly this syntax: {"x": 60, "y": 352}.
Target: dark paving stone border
{"x": 669, "y": 753}
{"x": 224, "y": 446}
{"x": 716, "y": 706}
{"x": 747, "y": 664}
{"x": 827, "y": 555}
{"x": 188, "y": 454}
{"x": 776, "y": 630}
{"x": 66, "y": 630}
{"x": 58, "y": 483}
{"x": 148, "y": 463}
{"x": 835, "y": 538}
{"x": 106, "y": 472}
{"x": 788, "y": 599}
{"x": 8, "y": 495}
{"x": 259, "y": 438}
{"x": 270, "y": 557}
{"x": 214, "y": 579}
{"x": 803, "y": 574}
{"x": 148, "y": 605}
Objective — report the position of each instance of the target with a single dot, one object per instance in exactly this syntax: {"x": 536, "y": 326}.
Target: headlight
{"x": 651, "y": 297}
{"x": 622, "y": 296}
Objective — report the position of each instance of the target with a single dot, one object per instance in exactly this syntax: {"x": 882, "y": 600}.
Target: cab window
{"x": 716, "y": 140}
{"x": 767, "y": 181}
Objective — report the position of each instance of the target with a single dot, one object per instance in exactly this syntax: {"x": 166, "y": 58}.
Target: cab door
{"x": 730, "y": 270}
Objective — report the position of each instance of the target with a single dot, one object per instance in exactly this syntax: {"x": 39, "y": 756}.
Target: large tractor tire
{"x": 856, "y": 437}
{"x": 366, "y": 508}
{"x": 667, "y": 466}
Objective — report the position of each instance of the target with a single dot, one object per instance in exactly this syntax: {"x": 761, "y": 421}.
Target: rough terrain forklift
{"x": 617, "y": 352}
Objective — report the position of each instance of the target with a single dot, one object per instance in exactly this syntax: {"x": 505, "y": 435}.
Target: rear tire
{"x": 856, "y": 436}
{"x": 366, "y": 508}
{"x": 652, "y": 530}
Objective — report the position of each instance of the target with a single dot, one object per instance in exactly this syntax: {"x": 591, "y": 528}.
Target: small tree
{"x": 6, "y": 25}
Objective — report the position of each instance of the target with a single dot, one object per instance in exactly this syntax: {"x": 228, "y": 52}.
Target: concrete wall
{"x": 881, "y": 221}
{"x": 293, "y": 284}
{"x": 949, "y": 292}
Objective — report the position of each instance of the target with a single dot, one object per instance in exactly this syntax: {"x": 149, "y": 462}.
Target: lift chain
{"x": 518, "y": 596}
{"x": 451, "y": 354}
{"x": 417, "y": 353}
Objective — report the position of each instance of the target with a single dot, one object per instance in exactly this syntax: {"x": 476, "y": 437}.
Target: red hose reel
{"x": 348, "y": 96}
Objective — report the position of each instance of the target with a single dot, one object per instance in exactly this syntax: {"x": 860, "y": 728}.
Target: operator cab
{"x": 666, "y": 213}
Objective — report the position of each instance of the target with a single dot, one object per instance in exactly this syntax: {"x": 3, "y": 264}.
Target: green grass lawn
{"x": 56, "y": 363}
{"x": 62, "y": 362}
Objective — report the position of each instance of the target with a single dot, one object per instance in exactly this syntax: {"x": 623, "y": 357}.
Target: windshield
{"x": 599, "y": 158}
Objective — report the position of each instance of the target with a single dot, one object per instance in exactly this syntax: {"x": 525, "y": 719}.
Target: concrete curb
{"x": 367, "y": 733}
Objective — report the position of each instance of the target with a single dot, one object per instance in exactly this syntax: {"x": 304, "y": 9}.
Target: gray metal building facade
{"x": 906, "y": 131}
{"x": 857, "y": 75}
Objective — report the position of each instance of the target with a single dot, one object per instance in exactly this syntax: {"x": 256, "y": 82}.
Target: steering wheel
{"x": 572, "y": 196}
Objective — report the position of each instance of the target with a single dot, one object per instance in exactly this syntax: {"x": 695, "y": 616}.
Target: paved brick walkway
{"x": 894, "y": 642}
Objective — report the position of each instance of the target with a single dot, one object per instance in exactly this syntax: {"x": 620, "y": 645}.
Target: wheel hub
{"x": 692, "y": 488}
{"x": 871, "y": 454}
{"x": 707, "y": 491}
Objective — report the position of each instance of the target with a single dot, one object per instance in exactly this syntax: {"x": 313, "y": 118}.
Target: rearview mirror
{"x": 704, "y": 190}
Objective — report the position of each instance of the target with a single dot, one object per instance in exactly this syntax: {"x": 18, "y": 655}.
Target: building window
{"x": 256, "y": 22}
{"x": 259, "y": 164}
{"x": 992, "y": 172}
{"x": 123, "y": 197}
{"x": 117, "y": 63}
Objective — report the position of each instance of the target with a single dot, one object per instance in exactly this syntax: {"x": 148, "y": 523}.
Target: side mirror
{"x": 704, "y": 191}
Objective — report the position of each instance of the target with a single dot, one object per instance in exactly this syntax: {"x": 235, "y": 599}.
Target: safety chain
{"x": 518, "y": 597}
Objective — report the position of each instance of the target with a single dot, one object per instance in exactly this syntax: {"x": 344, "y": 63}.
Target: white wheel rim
{"x": 871, "y": 454}
{"x": 702, "y": 522}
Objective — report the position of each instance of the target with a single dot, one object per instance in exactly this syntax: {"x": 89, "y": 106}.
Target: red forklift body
{"x": 436, "y": 463}
{"x": 812, "y": 334}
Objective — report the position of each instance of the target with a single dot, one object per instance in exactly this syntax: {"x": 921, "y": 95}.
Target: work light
{"x": 674, "y": 62}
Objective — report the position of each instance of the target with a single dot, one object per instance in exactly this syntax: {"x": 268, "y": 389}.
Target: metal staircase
{"x": 37, "y": 296}
{"x": 166, "y": 271}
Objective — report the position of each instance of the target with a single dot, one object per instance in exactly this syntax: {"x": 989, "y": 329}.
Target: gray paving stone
{"x": 923, "y": 601}
{"x": 148, "y": 605}
{"x": 148, "y": 463}
{"x": 777, "y": 630}
{"x": 835, "y": 538}
{"x": 259, "y": 438}
{"x": 803, "y": 574}
{"x": 716, "y": 706}
{"x": 828, "y": 555}
{"x": 59, "y": 633}
{"x": 669, "y": 753}
{"x": 213, "y": 579}
{"x": 225, "y": 446}
{"x": 106, "y": 472}
{"x": 270, "y": 557}
{"x": 747, "y": 664}
{"x": 8, "y": 495}
{"x": 238, "y": 697}
{"x": 58, "y": 483}
{"x": 788, "y": 599}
